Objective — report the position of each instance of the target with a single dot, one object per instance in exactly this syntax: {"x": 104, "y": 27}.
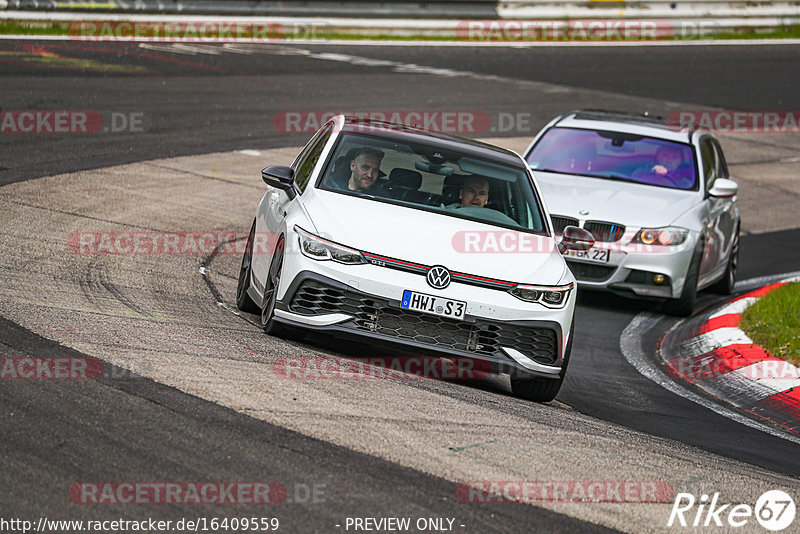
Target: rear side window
{"x": 708, "y": 154}
{"x": 722, "y": 166}
{"x": 309, "y": 158}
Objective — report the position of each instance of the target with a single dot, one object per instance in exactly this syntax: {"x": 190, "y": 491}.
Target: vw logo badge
{"x": 438, "y": 277}
{"x": 584, "y": 212}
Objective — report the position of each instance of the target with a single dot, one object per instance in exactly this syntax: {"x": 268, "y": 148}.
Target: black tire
{"x": 243, "y": 300}
{"x": 543, "y": 389}
{"x": 684, "y": 305}
{"x": 728, "y": 281}
{"x": 268, "y": 322}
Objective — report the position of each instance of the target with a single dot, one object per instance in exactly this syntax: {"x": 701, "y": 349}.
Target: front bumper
{"x": 631, "y": 269}
{"x": 521, "y": 347}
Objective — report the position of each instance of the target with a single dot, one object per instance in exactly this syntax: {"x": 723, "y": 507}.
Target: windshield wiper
{"x": 619, "y": 178}
{"x": 613, "y": 177}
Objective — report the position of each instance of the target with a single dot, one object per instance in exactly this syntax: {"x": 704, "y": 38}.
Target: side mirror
{"x": 575, "y": 238}
{"x": 280, "y": 177}
{"x": 724, "y": 188}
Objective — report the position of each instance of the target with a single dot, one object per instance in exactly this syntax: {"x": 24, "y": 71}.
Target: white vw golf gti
{"x": 438, "y": 244}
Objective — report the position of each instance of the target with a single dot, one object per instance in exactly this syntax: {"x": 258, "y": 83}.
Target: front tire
{"x": 543, "y": 389}
{"x": 728, "y": 281}
{"x": 243, "y": 300}
{"x": 268, "y": 322}
{"x": 684, "y": 305}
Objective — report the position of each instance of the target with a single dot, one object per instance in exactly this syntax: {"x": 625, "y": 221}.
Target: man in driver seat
{"x": 365, "y": 168}
{"x": 669, "y": 169}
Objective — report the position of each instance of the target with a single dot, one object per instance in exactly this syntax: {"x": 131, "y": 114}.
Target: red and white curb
{"x": 716, "y": 356}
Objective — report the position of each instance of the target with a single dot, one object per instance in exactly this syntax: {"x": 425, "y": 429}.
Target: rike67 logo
{"x": 774, "y": 510}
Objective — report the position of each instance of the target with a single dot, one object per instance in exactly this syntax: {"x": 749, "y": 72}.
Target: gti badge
{"x": 438, "y": 277}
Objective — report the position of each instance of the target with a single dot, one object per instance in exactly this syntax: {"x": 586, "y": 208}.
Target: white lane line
{"x": 413, "y": 68}
{"x": 755, "y": 283}
{"x": 737, "y": 389}
{"x": 630, "y": 344}
{"x": 540, "y": 44}
{"x": 715, "y": 339}
{"x": 772, "y": 370}
{"x": 734, "y": 308}
{"x": 774, "y": 374}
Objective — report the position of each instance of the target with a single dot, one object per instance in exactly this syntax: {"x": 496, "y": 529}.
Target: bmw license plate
{"x": 594, "y": 255}
{"x": 454, "y": 309}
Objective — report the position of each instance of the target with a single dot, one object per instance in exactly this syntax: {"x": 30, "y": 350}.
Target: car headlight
{"x": 669, "y": 235}
{"x": 550, "y": 296}
{"x": 321, "y": 249}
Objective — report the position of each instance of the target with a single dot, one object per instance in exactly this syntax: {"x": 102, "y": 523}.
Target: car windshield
{"x": 433, "y": 178}
{"x": 615, "y": 156}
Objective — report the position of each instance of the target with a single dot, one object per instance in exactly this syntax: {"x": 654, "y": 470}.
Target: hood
{"x": 618, "y": 202}
{"x": 435, "y": 239}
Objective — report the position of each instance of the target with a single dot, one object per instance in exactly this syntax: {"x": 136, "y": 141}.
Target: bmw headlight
{"x": 550, "y": 296}
{"x": 321, "y": 249}
{"x": 669, "y": 235}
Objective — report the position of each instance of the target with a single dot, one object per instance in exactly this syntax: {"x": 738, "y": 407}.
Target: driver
{"x": 474, "y": 192}
{"x": 668, "y": 159}
{"x": 669, "y": 170}
{"x": 365, "y": 168}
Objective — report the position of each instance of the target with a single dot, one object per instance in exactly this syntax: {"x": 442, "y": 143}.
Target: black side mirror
{"x": 281, "y": 177}
{"x": 575, "y": 238}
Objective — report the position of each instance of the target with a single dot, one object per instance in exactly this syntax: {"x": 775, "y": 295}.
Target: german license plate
{"x": 454, "y": 309}
{"x": 594, "y": 255}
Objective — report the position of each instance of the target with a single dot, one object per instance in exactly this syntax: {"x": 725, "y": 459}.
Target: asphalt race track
{"x": 193, "y": 395}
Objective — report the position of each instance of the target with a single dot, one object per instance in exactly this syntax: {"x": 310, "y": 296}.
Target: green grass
{"x": 783, "y": 32}
{"x": 33, "y": 28}
{"x": 774, "y": 322}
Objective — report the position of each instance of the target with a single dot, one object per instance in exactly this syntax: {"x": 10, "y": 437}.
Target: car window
{"x": 709, "y": 156}
{"x": 430, "y": 178}
{"x": 616, "y": 156}
{"x": 722, "y": 165}
{"x": 310, "y": 156}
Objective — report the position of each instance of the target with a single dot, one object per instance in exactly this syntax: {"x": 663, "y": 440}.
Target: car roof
{"x": 618, "y": 121}
{"x": 409, "y": 135}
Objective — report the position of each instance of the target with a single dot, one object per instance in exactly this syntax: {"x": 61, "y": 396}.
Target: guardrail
{"x": 650, "y": 9}
{"x": 437, "y": 17}
{"x": 432, "y": 9}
